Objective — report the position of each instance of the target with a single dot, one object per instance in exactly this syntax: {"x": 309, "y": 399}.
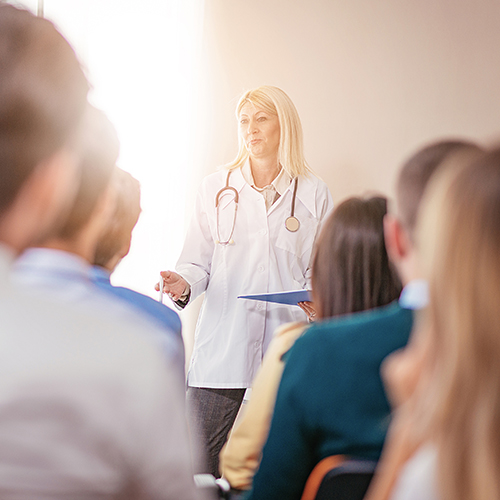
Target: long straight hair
{"x": 351, "y": 269}
{"x": 291, "y": 147}
{"x": 459, "y": 408}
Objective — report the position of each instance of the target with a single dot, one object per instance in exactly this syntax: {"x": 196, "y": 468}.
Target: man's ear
{"x": 397, "y": 242}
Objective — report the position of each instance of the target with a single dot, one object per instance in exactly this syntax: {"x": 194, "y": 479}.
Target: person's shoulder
{"x": 145, "y": 304}
{"x": 61, "y": 334}
{"x": 417, "y": 478}
{"x": 391, "y": 317}
{"x": 215, "y": 179}
{"x": 312, "y": 181}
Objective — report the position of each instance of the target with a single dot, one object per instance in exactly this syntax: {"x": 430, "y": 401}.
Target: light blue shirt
{"x": 415, "y": 295}
{"x": 166, "y": 318}
{"x": 67, "y": 278}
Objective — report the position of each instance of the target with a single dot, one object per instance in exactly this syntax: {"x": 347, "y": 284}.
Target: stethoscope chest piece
{"x": 292, "y": 224}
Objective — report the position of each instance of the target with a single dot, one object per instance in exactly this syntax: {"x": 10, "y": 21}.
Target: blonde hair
{"x": 291, "y": 147}
{"x": 459, "y": 239}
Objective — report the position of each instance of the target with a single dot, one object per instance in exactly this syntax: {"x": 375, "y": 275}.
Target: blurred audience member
{"x": 331, "y": 398}
{"x": 351, "y": 273}
{"x": 88, "y": 407}
{"x": 114, "y": 244}
{"x": 61, "y": 266}
{"x": 446, "y": 425}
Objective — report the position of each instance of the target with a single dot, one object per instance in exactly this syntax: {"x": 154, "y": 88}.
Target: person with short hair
{"x": 43, "y": 95}
{"x": 331, "y": 399}
{"x": 88, "y": 407}
{"x": 114, "y": 244}
{"x": 61, "y": 266}
{"x": 253, "y": 231}
{"x": 351, "y": 272}
{"x": 443, "y": 441}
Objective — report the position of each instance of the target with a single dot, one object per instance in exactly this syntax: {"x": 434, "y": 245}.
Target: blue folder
{"x": 290, "y": 298}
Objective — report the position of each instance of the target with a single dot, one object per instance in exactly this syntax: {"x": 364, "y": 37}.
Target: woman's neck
{"x": 264, "y": 170}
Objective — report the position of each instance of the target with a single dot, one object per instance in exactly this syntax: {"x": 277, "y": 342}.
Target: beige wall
{"x": 372, "y": 79}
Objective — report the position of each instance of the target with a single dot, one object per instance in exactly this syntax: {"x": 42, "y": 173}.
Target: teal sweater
{"x": 331, "y": 398}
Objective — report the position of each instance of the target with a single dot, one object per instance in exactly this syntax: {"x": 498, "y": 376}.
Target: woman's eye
{"x": 243, "y": 121}
{"x": 261, "y": 118}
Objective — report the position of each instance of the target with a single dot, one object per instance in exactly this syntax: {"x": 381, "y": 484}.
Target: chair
{"x": 339, "y": 478}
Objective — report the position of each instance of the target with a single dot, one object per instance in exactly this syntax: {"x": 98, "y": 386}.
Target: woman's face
{"x": 260, "y": 131}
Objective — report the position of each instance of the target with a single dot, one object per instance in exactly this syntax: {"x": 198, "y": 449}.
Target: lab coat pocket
{"x": 301, "y": 241}
{"x": 295, "y": 248}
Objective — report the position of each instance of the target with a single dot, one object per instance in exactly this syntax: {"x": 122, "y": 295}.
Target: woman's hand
{"x": 308, "y": 308}
{"x": 173, "y": 284}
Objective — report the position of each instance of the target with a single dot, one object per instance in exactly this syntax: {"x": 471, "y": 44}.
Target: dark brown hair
{"x": 127, "y": 210}
{"x": 351, "y": 269}
{"x": 415, "y": 175}
{"x": 43, "y": 92}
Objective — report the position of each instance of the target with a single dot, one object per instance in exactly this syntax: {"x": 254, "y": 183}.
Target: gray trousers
{"x": 212, "y": 413}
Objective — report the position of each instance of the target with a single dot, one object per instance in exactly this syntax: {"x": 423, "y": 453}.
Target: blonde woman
{"x": 351, "y": 273}
{"x": 452, "y": 418}
{"x": 253, "y": 231}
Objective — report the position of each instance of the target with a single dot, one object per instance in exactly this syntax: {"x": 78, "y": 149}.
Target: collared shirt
{"x": 79, "y": 389}
{"x": 415, "y": 295}
{"x": 271, "y": 192}
{"x": 166, "y": 318}
{"x": 67, "y": 278}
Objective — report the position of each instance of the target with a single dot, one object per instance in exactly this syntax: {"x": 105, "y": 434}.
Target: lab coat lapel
{"x": 306, "y": 194}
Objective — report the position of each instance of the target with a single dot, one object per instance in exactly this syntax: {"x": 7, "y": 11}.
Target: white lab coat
{"x": 232, "y": 334}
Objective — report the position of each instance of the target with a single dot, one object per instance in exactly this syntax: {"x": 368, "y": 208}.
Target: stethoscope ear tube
{"x": 227, "y": 186}
{"x": 220, "y": 193}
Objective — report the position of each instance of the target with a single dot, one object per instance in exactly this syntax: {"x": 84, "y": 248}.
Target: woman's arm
{"x": 194, "y": 264}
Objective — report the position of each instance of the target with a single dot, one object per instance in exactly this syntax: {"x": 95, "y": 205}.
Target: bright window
{"x": 142, "y": 59}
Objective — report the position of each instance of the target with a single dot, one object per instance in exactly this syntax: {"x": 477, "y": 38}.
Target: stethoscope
{"x": 291, "y": 223}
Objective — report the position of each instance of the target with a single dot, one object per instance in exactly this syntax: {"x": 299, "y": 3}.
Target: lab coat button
{"x": 257, "y": 344}
{"x": 261, "y": 269}
{"x": 263, "y": 232}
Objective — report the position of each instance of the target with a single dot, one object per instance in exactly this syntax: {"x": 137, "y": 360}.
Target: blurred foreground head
{"x": 412, "y": 182}
{"x": 114, "y": 243}
{"x": 100, "y": 147}
{"x": 459, "y": 240}
{"x": 416, "y": 173}
{"x": 43, "y": 93}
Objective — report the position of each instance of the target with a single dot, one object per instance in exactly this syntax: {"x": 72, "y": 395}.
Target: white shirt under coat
{"x": 232, "y": 334}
